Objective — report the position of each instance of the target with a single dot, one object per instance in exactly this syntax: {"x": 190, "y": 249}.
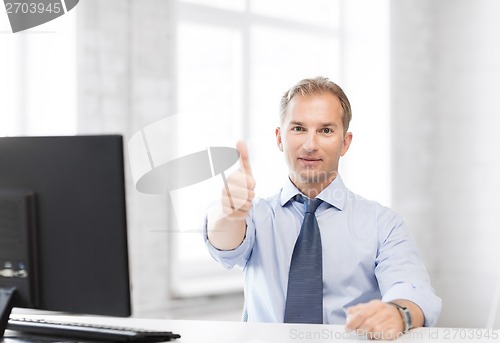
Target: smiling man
{"x": 316, "y": 252}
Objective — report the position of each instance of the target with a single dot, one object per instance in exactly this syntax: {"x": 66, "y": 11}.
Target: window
{"x": 234, "y": 61}
{"x": 38, "y": 78}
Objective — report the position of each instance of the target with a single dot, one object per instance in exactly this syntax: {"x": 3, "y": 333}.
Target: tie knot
{"x": 310, "y": 204}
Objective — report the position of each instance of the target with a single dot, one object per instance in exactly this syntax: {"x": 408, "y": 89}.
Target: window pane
{"x": 51, "y": 108}
{"x": 10, "y": 71}
{"x": 38, "y": 79}
{"x": 209, "y": 78}
{"x": 318, "y": 12}
{"x": 232, "y": 5}
{"x": 209, "y": 71}
{"x": 280, "y": 58}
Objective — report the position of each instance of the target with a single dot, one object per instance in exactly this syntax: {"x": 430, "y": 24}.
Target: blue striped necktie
{"x": 304, "y": 300}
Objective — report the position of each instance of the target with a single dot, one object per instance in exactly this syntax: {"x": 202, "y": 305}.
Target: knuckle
{"x": 251, "y": 195}
{"x": 250, "y": 183}
{"x": 246, "y": 206}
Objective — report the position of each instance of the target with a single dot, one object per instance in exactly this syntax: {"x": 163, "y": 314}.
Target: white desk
{"x": 236, "y": 332}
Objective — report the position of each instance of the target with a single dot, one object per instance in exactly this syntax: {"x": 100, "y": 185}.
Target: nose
{"x": 310, "y": 143}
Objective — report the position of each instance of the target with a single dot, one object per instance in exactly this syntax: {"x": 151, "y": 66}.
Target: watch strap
{"x": 405, "y": 314}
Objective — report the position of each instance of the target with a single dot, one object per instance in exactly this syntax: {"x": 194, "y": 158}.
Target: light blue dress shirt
{"x": 368, "y": 253}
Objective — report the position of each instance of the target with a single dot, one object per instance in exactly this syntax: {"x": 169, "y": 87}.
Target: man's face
{"x": 312, "y": 139}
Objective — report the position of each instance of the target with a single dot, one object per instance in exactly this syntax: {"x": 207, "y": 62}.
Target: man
{"x": 372, "y": 278}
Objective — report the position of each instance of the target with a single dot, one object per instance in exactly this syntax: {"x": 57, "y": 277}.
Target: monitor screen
{"x": 63, "y": 234}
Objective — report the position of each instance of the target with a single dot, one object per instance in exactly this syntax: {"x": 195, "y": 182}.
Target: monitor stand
{"x": 6, "y": 305}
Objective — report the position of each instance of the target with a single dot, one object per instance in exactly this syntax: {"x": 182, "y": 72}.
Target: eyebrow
{"x": 299, "y": 123}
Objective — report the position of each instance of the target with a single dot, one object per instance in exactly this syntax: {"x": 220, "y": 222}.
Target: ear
{"x": 278, "y": 139}
{"x": 347, "y": 143}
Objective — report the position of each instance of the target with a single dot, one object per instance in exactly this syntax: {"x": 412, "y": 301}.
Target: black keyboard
{"x": 89, "y": 332}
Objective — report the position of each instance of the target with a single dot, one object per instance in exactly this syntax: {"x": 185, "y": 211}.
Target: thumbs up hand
{"x": 226, "y": 225}
{"x": 238, "y": 193}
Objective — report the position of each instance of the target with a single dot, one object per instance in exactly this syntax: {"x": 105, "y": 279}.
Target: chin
{"x": 311, "y": 176}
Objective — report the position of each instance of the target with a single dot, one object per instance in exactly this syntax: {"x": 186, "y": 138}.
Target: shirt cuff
{"x": 229, "y": 258}
{"x": 429, "y": 303}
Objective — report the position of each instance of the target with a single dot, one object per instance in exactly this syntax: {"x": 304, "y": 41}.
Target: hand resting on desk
{"x": 380, "y": 320}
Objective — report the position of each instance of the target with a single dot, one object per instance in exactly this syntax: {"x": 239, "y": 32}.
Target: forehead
{"x": 322, "y": 108}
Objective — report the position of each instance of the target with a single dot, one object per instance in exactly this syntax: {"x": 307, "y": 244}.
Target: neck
{"x": 312, "y": 188}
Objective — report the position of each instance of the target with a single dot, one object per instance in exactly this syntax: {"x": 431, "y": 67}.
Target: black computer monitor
{"x": 63, "y": 233}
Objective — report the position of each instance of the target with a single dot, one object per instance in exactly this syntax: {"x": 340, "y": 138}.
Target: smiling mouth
{"x": 309, "y": 160}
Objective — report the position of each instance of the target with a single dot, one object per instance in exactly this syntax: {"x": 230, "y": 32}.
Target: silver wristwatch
{"x": 405, "y": 314}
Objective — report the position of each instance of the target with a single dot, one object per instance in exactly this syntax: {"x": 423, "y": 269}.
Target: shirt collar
{"x": 335, "y": 194}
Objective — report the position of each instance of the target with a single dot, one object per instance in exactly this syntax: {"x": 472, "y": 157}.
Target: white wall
{"x": 446, "y": 162}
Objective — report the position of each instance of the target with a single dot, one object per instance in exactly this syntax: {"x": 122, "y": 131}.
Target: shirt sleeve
{"x": 399, "y": 269}
{"x": 238, "y": 256}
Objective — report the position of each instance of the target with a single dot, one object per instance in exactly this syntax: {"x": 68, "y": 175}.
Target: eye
{"x": 297, "y": 128}
{"x": 326, "y": 130}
